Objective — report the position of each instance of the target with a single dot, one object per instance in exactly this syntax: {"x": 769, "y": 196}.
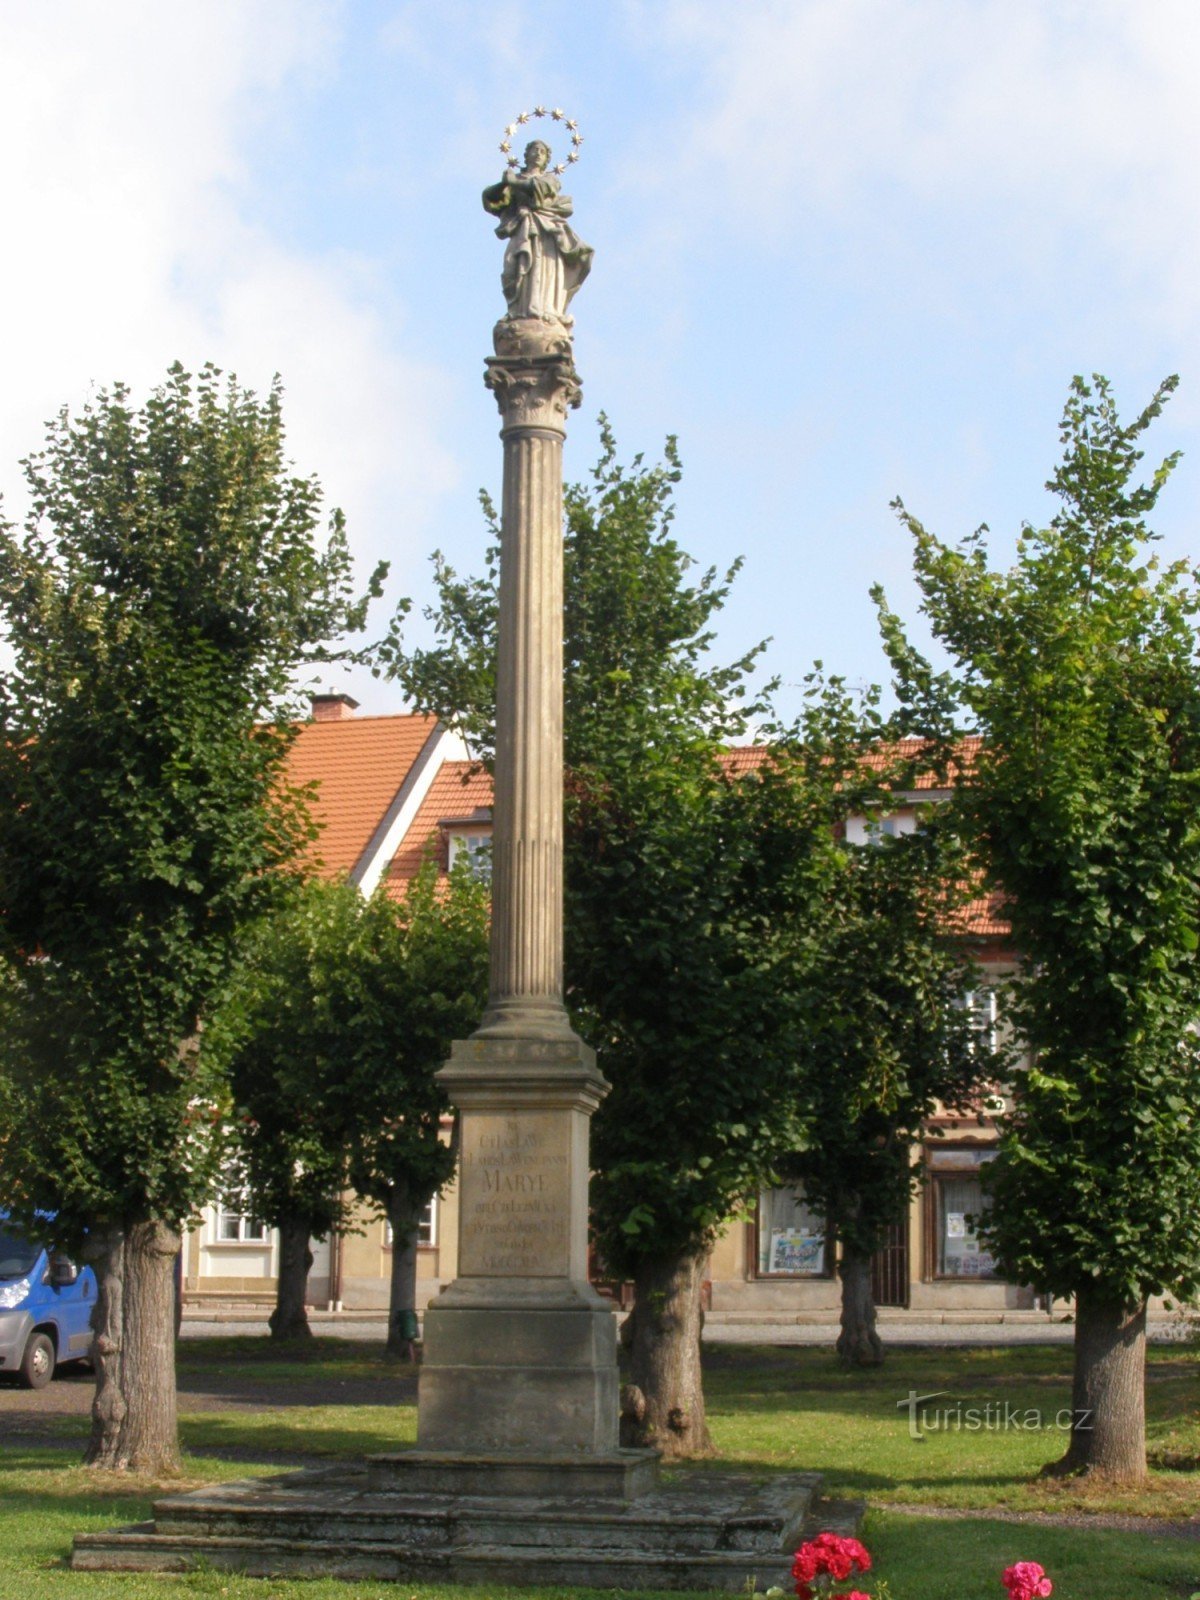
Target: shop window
{"x": 427, "y": 1228}
{"x": 792, "y": 1238}
{"x": 236, "y": 1222}
{"x": 959, "y": 1202}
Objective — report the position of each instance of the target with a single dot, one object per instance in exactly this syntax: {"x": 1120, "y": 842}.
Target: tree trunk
{"x": 664, "y": 1403}
{"x": 404, "y": 1214}
{"x": 858, "y": 1343}
{"x": 1108, "y": 1417}
{"x": 134, "y": 1425}
{"x": 289, "y": 1320}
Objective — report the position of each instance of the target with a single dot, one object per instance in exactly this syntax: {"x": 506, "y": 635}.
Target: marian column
{"x": 520, "y": 1351}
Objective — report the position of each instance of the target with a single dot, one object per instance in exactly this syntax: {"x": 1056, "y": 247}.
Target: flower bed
{"x": 830, "y": 1559}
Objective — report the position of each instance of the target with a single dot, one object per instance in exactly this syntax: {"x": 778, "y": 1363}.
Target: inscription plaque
{"x": 516, "y": 1193}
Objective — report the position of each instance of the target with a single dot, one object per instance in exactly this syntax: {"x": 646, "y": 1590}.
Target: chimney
{"x": 333, "y": 707}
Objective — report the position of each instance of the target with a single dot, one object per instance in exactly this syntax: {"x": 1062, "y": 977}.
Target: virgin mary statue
{"x": 545, "y": 260}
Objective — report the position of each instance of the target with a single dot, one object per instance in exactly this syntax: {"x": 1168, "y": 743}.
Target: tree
{"x": 426, "y": 975}
{"x": 167, "y": 583}
{"x": 284, "y": 1034}
{"x": 891, "y": 1036}
{"x": 687, "y": 879}
{"x": 1079, "y": 667}
{"x": 338, "y": 1016}
{"x": 690, "y": 929}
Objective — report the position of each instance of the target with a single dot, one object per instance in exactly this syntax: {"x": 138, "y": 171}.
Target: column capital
{"x": 533, "y": 374}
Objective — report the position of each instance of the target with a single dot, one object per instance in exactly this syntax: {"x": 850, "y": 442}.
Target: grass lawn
{"x": 770, "y": 1409}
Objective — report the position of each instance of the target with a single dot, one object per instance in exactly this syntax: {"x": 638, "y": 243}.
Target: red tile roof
{"x": 358, "y": 764}
{"x": 967, "y": 749}
{"x": 460, "y": 788}
{"x": 744, "y": 758}
{"x": 463, "y": 788}
{"x": 984, "y": 918}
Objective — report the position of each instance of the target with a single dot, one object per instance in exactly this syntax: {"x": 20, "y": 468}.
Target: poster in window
{"x": 956, "y": 1225}
{"x": 795, "y": 1253}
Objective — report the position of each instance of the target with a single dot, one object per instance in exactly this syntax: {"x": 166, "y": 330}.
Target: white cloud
{"x": 1060, "y": 128}
{"x": 128, "y": 132}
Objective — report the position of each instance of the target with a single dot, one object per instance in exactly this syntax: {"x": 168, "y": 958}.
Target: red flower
{"x": 1026, "y": 1580}
{"x": 851, "y": 1594}
{"x": 828, "y": 1555}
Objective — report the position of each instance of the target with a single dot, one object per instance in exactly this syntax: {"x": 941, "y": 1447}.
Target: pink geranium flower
{"x": 1026, "y": 1580}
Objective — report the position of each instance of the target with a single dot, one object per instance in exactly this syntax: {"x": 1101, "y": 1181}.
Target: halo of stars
{"x": 513, "y": 163}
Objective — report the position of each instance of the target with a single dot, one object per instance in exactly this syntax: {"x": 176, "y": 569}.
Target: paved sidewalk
{"x": 371, "y": 1327}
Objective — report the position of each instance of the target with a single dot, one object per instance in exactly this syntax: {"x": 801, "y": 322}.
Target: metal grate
{"x": 889, "y": 1268}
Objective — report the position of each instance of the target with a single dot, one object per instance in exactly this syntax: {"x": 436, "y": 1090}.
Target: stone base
{"x": 520, "y": 1350}
{"x": 619, "y": 1476}
{"x": 529, "y": 1377}
{"x": 702, "y": 1530}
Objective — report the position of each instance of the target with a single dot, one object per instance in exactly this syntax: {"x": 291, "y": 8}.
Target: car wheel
{"x": 37, "y": 1364}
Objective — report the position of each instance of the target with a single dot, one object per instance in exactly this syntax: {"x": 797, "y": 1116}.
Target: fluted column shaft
{"x": 526, "y": 966}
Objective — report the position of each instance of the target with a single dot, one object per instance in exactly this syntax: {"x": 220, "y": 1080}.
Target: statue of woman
{"x": 545, "y": 261}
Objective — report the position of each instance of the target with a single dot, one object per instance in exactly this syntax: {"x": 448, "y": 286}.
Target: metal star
{"x": 539, "y": 111}
{"x": 557, "y": 114}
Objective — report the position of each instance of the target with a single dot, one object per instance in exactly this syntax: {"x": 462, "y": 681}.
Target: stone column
{"x": 534, "y": 385}
{"x": 520, "y": 1351}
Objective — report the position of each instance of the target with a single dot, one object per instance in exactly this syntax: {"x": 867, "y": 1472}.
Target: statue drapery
{"x": 545, "y": 260}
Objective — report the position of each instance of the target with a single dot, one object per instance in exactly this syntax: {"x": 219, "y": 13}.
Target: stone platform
{"x": 698, "y": 1529}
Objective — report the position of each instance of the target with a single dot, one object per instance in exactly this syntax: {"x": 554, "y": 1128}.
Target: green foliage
{"x": 687, "y": 915}
{"x": 1079, "y": 667}
{"x": 167, "y": 584}
{"x": 430, "y": 974}
{"x": 636, "y": 631}
{"x": 339, "y": 1013}
{"x": 892, "y": 1034}
{"x": 688, "y": 879}
{"x": 284, "y": 1034}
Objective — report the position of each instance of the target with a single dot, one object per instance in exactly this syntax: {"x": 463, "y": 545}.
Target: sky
{"x": 844, "y": 249}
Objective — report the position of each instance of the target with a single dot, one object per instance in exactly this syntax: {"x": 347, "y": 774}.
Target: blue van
{"x": 46, "y": 1304}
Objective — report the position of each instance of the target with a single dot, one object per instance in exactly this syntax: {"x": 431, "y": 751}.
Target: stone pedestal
{"x": 520, "y": 1351}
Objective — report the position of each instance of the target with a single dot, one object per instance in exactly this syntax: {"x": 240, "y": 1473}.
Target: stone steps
{"x": 139, "y": 1550}
{"x": 760, "y": 1519}
{"x": 699, "y": 1530}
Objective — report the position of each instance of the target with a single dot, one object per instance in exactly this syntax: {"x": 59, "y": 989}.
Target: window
{"x": 236, "y": 1222}
{"x": 477, "y": 847}
{"x": 980, "y": 1005}
{"x": 873, "y": 829}
{"x": 792, "y": 1240}
{"x": 427, "y": 1228}
{"x": 959, "y": 1201}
